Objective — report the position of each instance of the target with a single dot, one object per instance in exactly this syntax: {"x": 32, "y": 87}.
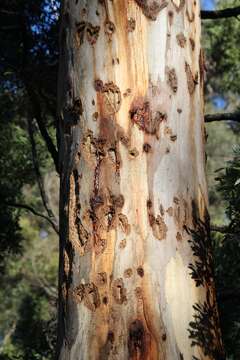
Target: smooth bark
{"x": 135, "y": 262}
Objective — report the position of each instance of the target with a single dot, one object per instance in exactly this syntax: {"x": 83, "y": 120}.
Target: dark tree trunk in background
{"x": 135, "y": 262}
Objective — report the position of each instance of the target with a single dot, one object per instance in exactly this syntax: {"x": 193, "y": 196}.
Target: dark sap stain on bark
{"x": 119, "y": 291}
{"x": 164, "y": 337}
{"x": 109, "y": 29}
{"x": 105, "y": 300}
{"x": 123, "y": 244}
{"x": 146, "y": 147}
{"x": 136, "y": 340}
{"x": 150, "y": 8}
{"x": 131, "y": 24}
{"x": 173, "y": 137}
{"x": 172, "y": 79}
{"x": 170, "y": 17}
{"x": 83, "y": 234}
{"x": 88, "y": 293}
{"x": 128, "y": 273}
{"x": 123, "y": 223}
{"x": 192, "y": 43}
{"x": 133, "y": 152}
{"x": 192, "y": 80}
{"x": 140, "y": 271}
{"x": 180, "y": 6}
{"x": 179, "y": 110}
{"x": 161, "y": 208}
{"x": 159, "y": 228}
{"x": 91, "y": 31}
{"x": 179, "y": 236}
{"x": 121, "y": 136}
{"x": 138, "y": 293}
{"x": 101, "y": 279}
{"x": 127, "y": 92}
{"x": 107, "y": 347}
{"x": 72, "y": 114}
{"x": 110, "y": 97}
{"x": 146, "y": 120}
{"x": 181, "y": 40}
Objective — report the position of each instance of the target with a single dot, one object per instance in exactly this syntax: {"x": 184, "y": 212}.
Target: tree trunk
{"x": 135, "y": 260}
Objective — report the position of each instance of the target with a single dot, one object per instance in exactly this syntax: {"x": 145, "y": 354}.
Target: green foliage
{"x": 227, "y": 256}
{"x": 28, "y": 297}
{"x": 221, "y": 43}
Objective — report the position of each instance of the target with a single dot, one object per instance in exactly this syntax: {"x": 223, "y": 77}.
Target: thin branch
{"x": 42, "y": 128}
{"x": 33, "y": 97}
{"x": 221, "y": 14}
{"x": 39, "y": 178}
{"x": 34, "y": 212}
{"x": 221, "y": 229}
{"x": 234, "y": 116}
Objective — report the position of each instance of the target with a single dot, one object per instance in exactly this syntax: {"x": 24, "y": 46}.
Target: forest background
{"x": 29, "y": 175}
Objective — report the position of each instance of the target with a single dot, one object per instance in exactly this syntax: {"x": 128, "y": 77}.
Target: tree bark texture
{"x": 135, "y": 261}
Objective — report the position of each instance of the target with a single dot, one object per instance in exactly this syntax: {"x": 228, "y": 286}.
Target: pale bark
{"x": 133, "y": 187}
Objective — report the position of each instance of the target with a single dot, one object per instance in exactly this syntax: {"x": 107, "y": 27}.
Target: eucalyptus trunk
{"x": 135, "y": 273}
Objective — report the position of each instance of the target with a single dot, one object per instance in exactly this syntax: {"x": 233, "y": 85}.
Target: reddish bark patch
{"x": 119, "y": 291}
{"x": 91, "y": 31}
{"x": 101, "y": 279}
{"x": 146, "y": 120}
{"x": 136, "y": 340}
{"x": 88, "y": 293}
{"x": 110, "y": 97}
{"x": 150, "y": 8}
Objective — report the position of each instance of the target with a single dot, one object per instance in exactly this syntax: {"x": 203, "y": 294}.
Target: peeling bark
{"x": 133, "y": 190}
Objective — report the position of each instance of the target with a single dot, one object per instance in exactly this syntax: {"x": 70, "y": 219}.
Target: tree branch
{"x": 234, "y": 116}
{"x": 34, "y": 212}
{"x": 42, "y": 128}
{"x": 39, "y": 178}
{"x": 221, "y": 229}
{"x": 220, "y": 14}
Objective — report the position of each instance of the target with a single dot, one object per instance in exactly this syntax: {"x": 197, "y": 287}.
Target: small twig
{"x": 234, "y": 116}
{"x": 34, "y": 212}
{"x": 220, "y": 14}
